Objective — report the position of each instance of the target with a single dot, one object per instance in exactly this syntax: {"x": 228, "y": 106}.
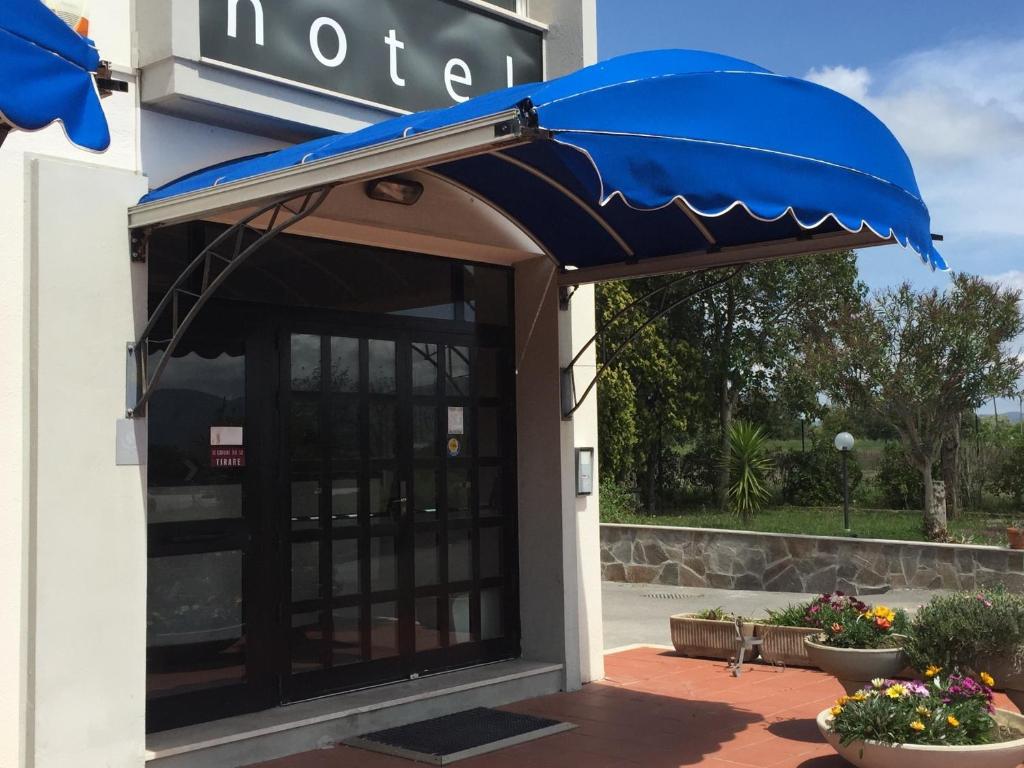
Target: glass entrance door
{"x": 399, "y": 538}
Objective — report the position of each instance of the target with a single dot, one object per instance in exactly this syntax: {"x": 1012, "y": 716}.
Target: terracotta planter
{"x": 1009, "y": 679}
{"x": 855, "y": 668}
{"x": 873, "y": 754}
{"x": 785, "y": 645}
{"x": 1016, "y": 537}
{"x": 708, "y": 639}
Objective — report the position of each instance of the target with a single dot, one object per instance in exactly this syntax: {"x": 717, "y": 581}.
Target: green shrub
{"x": 814, "y": 478}
{"x": 957, "y": 632}
{"x": 717, "y": 614}
{"x": 1009, "y": 477}
{"x": 900, "y": 483}
{"x": 749, "y": 466}
{"x": 793, "y": 615}
{"x": 618, "y": 502}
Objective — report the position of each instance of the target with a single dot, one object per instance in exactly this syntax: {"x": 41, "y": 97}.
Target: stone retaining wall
{"x": 701, "y": 557}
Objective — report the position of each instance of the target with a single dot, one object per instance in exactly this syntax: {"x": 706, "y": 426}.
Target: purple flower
{"x": 917, "y": 689}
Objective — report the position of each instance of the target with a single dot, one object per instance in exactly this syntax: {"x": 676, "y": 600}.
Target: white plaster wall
{"x": 586, "y": 508}
{"x": 86, "y": 629}
{"x": 172, "y": 147}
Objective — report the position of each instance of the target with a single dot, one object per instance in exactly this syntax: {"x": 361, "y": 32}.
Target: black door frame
{"x": 256, "y": 537}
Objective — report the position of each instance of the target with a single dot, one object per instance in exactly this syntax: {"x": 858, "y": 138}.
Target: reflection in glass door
{"x": 399, "y": 546}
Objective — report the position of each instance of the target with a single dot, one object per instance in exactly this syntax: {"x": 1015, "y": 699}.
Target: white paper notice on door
{"x": 226, "y": 436}
{"x": 456, "y": 421}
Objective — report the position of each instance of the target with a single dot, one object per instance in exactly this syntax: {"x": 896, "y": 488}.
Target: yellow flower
{"x": 836, "y": 711}
{"x": 883, "y": 612}
{"x": 895, "y": 691}
{"x": 924, "y": 711}
{"x": 987, "y": 679}
{"x": 917, "y": 725}
{"x": 859, "y": 696}
{"x": 953, "y": 721}
{"x": 932, "y": 671}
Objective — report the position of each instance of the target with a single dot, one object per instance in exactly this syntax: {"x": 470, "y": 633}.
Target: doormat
{"x": 445, "y": 740}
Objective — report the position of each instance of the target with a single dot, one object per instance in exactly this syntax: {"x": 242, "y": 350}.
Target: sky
{"x": 946, "y": 76}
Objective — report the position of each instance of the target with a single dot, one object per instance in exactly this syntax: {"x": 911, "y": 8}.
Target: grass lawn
{"x": 974, "y": 528}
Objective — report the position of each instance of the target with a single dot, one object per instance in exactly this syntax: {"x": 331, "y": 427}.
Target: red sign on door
{"x": 227, "y": 456}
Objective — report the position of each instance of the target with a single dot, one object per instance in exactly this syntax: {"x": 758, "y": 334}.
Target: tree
{"x": 645, "y": 394}
{"x": 920, "y": 360}
{"x": 750, "y": 334}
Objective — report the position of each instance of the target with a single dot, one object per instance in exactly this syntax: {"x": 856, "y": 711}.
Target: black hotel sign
{"x": 405, "y": 55}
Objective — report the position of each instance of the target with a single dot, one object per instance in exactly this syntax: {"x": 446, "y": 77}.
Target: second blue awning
{"x": 49, "y": 72}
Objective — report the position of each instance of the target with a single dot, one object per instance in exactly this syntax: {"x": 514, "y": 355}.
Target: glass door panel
{"x": 400, "y": 539}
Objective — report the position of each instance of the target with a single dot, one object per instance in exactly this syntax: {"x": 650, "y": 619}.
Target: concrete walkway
{"x": 638, "y": 613}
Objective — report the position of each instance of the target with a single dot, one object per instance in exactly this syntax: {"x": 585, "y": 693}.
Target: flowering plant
{"x": 846, "y": 622}
{"x": 952, "y": 710}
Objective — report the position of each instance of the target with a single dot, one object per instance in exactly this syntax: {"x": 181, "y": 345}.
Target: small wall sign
{"x": 227, "y": 449}
{"x": 584, "y": 471}
{"x": 454, "y": 447}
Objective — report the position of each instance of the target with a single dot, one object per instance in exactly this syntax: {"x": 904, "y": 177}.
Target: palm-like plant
{"x": 749, "y": 466}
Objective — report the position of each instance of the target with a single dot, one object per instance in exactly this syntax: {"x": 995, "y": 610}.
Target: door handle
{"x": 402, "y": 503}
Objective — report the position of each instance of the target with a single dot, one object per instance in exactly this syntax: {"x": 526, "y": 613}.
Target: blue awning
{"x": 49, "y": 75}
{"x": 657, "y": 154}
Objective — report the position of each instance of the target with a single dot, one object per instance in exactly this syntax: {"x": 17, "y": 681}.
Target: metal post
{"x": 803, "y": 439}
{"x": 846, "y": 495}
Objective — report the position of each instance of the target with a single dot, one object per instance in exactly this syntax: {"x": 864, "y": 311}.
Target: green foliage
{"x": 749, "y": 466}
{"x": 1009, "y": 476}
{"x": 900, "y": 483}
{"x": 618, "y": 502}
{"x": 951, "y": 711}
{"x": 958, "y": 631}
{"x": 921, "y": 359}
{"x": 645, "y": 394}
{"x": 814, "y": 478}
{"x": 793, "y": 615}
{"x": 717, "y": 614}
{"x": 845, "y": 623}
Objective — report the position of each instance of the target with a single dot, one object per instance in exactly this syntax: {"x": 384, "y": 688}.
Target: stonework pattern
{"x": 699, "y": 557}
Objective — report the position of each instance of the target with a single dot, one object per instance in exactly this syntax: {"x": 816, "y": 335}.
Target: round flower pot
{"x": 873, "y": 754}
{"x": 855, "y": 668}
{"x": 708, "y": 639}
{"x": 785, "y": 645}
{"x": 1016, "y": 537}
{"x": 1009, "y": 679}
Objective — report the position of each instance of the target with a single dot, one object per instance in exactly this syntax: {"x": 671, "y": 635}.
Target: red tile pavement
{"x": 658, "y": 710}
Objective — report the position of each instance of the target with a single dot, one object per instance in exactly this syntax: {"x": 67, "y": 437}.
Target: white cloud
{"x": 959, "y": 113}
{"x": 1014, "y": 279}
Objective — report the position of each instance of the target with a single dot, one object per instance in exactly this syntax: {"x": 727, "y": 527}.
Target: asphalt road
{"x": 638, "y": 613}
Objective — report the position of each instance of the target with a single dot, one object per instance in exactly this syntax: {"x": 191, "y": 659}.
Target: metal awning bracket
{"x": 207, "y": 272}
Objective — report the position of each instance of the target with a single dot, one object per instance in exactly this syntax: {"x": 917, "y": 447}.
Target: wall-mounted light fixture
{"x": 395, "y": 190}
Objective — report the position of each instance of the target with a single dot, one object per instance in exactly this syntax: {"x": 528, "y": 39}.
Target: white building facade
{"x": 352, "y": 499}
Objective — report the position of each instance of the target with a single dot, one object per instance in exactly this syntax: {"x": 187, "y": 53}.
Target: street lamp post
{"x": 844, "y": 444}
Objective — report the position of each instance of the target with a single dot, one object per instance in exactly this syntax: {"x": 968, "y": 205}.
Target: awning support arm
{"x": 570, "y": 403}
{"x": 216, "y": 268}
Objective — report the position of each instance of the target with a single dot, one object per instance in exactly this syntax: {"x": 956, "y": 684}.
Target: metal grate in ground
{"x": 445, "y": 740}
{"x": 671, "y": 596}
